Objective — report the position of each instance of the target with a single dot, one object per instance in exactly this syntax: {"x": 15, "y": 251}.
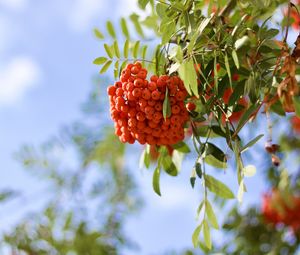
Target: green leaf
{"x": 136, "y": 49}
{"x": 116, "y": 49}
{"x": 188, "y": 74}
{"x": 143, "y": 3}
{"x": 246, "y": 116}
{"x": 105, "y": 67}
{"x": 167, "y": 30}
{"x": 193, "y": 178}
{"x": 206, "y": 234}
{"x": 218, "y": 187}
{"x": 198, "y": 169}
{"x": 228, "y": 69}
{"x": 296, "y": 101}
{"x": 124, "y": 28}
{"x": 116, "y": 69}
{"x": 98, "y": 34}
{"x": 200, "y": 208}
{"x": 215, "y": 151}
{"x": 108, "y": 50}
{"x": 251, "y": 143}
{"x": 235, "y": 59}
{"x": 204, "y": 24}
{"x": 144, "y": 52}
{"x": 169, "y": 166}
{"x": 110, "y": 29}
{"x": 155, "y": 181}
{"x": 237, "y": 93}
{"x": 137, "y": 24}
{"x": 182, "y": 147}
{"x": 211, "y": 215}
{"x": 126, "y": 49}
{"x": 241, "y": 42}
{"x": 145, "y": 158}
{"x": 100, "y": 60}
{"x": 166, "y": 106}
{"x": 161, "y": 9}
{"x": 195, "y": 236}
{"x": 211, "y": 160}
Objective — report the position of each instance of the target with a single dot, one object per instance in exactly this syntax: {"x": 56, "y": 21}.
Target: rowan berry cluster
{"x": 136, "y": 107}
{"x": 276, "y": 209}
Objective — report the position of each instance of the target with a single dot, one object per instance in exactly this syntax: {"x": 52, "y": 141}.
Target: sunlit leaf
{"x": 108, "y": 50}
{"x": 251, "y": 143}
{"x": 218, "y": 187}
{"x": 155, "y": 181}
{"x": 124, "y": 27}
{"x": 105, "y": 67}
{"x": 100, "y": 60}
{"x": 235, "y": 59}
{"x": 166, "y": 106}
{"x": 182, "y": 147}
{"x": 110, "y": 29}
{"x": 126, "y": 49}
{"x": 206, "y": 234}
{"x": 211, "y": 215}
{"x": 98, "y": 34}
{"x": 116, "y": 49}
{"x": 135, "y": 49}
{"x": 195, "y": 236}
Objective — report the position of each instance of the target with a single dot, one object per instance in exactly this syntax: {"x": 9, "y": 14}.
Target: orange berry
{"x": 142, "y": 74}
{"x": 137, "y": 92}
{"x": 119, "y": 92}
{"x": 175, "y": 109}
{"x": 111, "y": 90}
{"x": 152, "y": 86}
{"x": 180, "y": 96}
{"x": 124, "y": 108}
{"x": 151, "y": 102}
{"x": 158, "y": 106}
{"x": 138, "y": 83}
{"x": 141, "y": 125}
{"x": 146, "y": 94}
{"x": 149, "y": 110}
{"x": 172, "y": 100}
{"x": 155, "y": 95}
{"x": 140, "y": 116}
{"x": 154, "y": 78}
{"x": 120, "y": 101}
{"x": 175, "y": 119}
{"x": 157, "y": 115}
{"x": 129, "y": 66}
{"x": 138, "y": 65}
{"x": 134, "y": 70}
{"x": 142, "y": 102}
{"x": 129, "y": 86}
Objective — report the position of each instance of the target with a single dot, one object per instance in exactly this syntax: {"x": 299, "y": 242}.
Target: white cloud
{"x": 16, "y": 78}
{"x": 14, "y": 4}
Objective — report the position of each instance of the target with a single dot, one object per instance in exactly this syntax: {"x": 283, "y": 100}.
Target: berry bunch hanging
{"x": 136, "y": 107}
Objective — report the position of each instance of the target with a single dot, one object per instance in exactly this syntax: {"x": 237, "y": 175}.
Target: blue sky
{"x": 46, "y": 71}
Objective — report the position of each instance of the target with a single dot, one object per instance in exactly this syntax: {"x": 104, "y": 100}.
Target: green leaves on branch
{"x": 156, "y": 180}
{"x": 217, "y": 187}
{"x": 188, "y": 74}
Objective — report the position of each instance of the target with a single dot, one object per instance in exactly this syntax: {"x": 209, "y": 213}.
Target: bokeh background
{"x": 46, "y": 75}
